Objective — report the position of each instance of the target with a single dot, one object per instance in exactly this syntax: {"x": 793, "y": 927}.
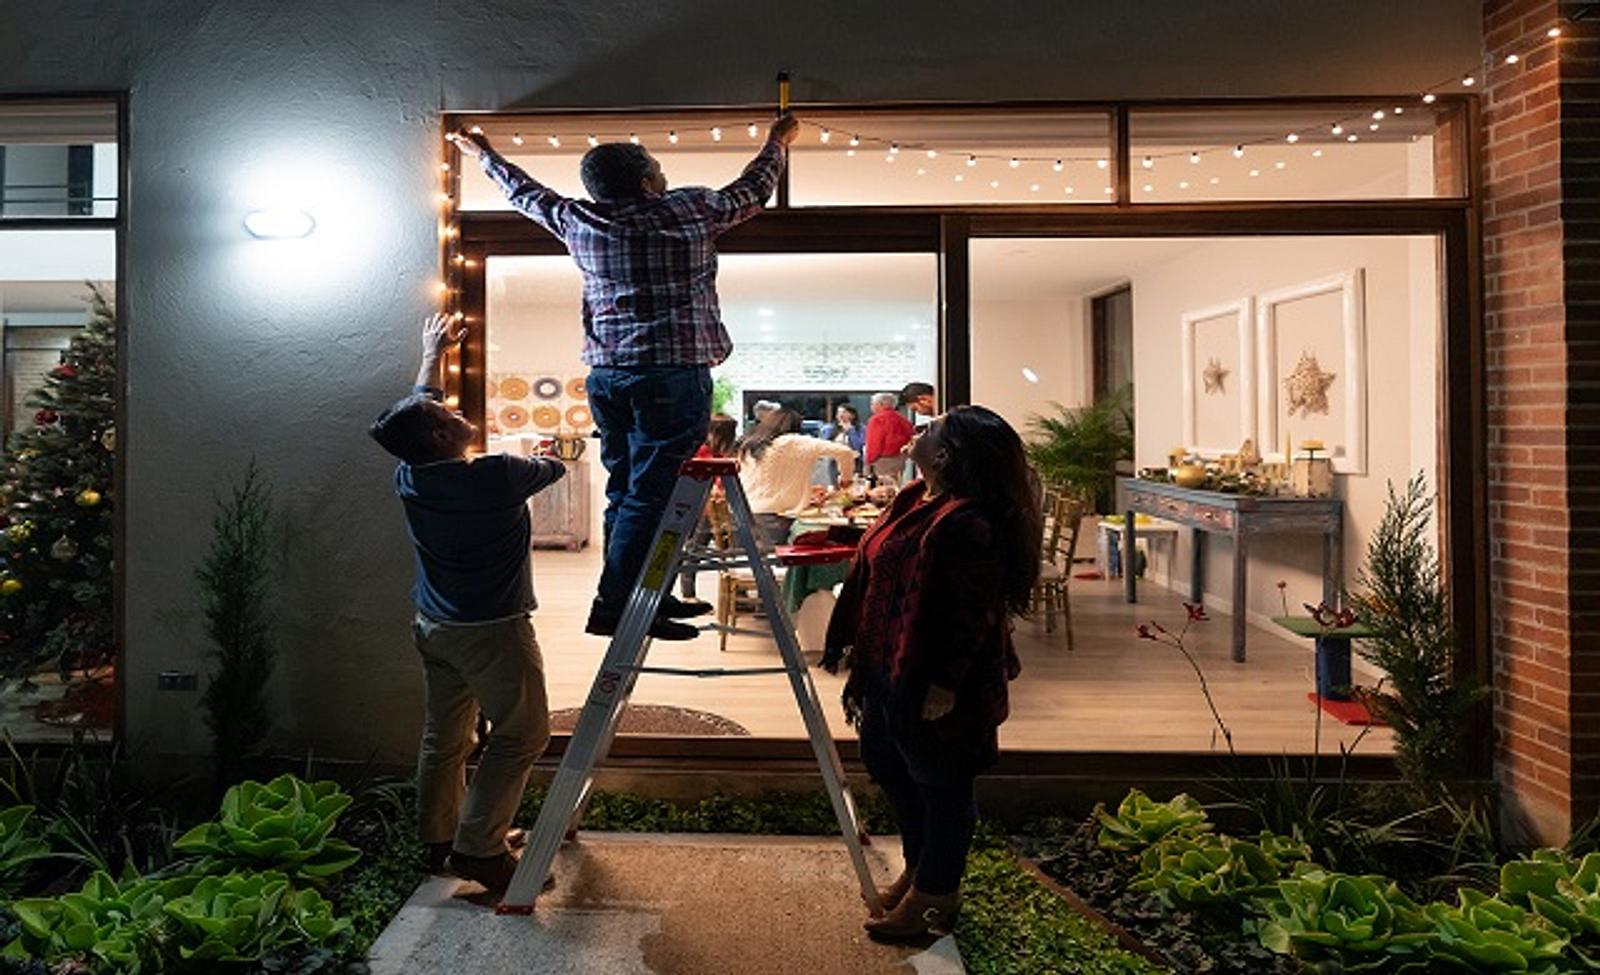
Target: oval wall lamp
{"x": 279, "y": 224}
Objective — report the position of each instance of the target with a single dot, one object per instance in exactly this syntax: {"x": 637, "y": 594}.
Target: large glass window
{"x": 58, "y": 159}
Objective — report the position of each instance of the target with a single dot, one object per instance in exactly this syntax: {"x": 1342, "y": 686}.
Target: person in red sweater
{"x": 887, "y": 435}
{"x": 923, "y": 625}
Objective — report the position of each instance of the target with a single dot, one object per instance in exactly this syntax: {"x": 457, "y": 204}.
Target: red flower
{"x": 1346, "y": 618}
{"x": 1197, "y": 612}
{"x": 65, "y": 371}
{"x": 1145, "y": 632}
{"x": 1283, "y": 584}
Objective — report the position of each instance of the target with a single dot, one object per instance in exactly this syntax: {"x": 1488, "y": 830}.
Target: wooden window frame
{"x": 946, "y": 231}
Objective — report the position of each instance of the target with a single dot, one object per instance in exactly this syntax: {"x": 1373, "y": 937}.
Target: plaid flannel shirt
{"x": 649, "y": 265}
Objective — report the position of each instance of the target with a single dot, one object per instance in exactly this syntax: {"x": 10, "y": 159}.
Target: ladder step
{"x": 710, "y": 671}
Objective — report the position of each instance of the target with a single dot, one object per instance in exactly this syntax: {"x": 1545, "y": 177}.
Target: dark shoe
{"x": 494, "y": 873}
{"x": 438, "y": 858}
{"x": 674, "y": 608}
{"x": 660, "y": 628}
{"x": 918, "y": 916}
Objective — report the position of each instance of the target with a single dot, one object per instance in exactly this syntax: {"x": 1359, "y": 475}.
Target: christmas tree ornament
{"x": 10, "y": 587}
{"x": 108, "y": 438}
{"x": 64, "y": 550}
{"x": 46, "y": 417}
{"x": 65, "y": 371}
{"x": 20, "y": 532}
{"x": 88, "y": 498}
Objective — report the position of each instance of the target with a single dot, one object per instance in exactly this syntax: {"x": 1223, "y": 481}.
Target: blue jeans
{"x": 651, "y": 420}
{"x": 929, "y": 785}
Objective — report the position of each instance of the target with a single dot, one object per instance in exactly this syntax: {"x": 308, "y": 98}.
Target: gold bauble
{"x": 10, "y": 587}
{"x": 88, "y": 498}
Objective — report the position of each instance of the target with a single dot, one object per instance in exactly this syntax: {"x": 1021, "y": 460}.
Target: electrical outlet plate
{"x": 177, "y": 680}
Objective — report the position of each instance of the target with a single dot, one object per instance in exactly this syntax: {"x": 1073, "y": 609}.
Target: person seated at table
{"x": 923, "y": 627}
{"x": 888, "y": 433}
{"x": 846, "y": 428}
{"x": 775, "y": 462}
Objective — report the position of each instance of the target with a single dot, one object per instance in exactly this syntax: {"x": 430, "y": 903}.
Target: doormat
{"x": 658, "y": 719}
{"x": 1347, "y": 712}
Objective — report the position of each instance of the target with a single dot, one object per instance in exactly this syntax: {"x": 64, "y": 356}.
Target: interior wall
{"x": 283, "y": 351}
{"x": 1047, "y": 336}
{"x": 1401, "y": 359}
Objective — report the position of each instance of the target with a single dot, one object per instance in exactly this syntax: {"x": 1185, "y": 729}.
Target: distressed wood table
{"x": 1240, "y": 517}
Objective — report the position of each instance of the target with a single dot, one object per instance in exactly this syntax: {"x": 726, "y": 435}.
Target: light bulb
{"x": 1373, "y": 127}
{"x": 1255, "y": 172}
{"x": 592, "y": 141}
{"x": 1106, "y": 191}
{"x": 1280, "y": 164}
{"x": 1292, "y": 138}
{"x": 633, "y": 138}
{"x": 1015, "y": 162}
{"x": 1056, "y": 165}
{"x": 716, "y": 133}
{"x": 960, "y": 177}
{"x": 672, "y": 137}
{"x": 894, "y": 150}
{"x": 849, "y": 152}
{"x": 460, "y": 315}
{"x": 1338, "y": 129}
{"x": 933, "y": 153}
{"x": 750, "y": 130}
{"x": 1468, "y": 81}
{"x": 1101, "y": 163}
{"x": 1397, "y": 110}
{"x": 1238, "y": 152}
{"x": 1068, "y": 190}
{"x": 452, "y": 401}
{"x": 555, "y": 142}
{"x": 460, "y": 258}
{"x": 1148, "y": 187}
{"x": 1147, "y": 162}
{"x": 1183, "y": 184}
{"x": 516, "y": 138}
{"x": 477, "y": 130}
{"x": 1194, "y": 159}
{"x": 825, "y": 135}
{"x": 1553, "y": 32}
{"x": 1034, "y": 187}
{"x": 972, "y": 160}
{"x": 1378, "y": 115}
{"x": 1512, "y": 59}
{"x": 1428, "y": 98}
{"x": 855, "y": 140}
{"x": 1352, "y": 137}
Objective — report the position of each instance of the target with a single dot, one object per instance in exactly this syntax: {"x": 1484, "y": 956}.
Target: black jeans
{"x": 651, "y": 419}
{"x": 929, "y": 785}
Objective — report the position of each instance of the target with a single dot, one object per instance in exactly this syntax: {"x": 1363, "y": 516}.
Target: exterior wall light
{"x": 279, "y": 224}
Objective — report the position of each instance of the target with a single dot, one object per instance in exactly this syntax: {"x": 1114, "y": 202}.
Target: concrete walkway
{"x": 658, "y": 904}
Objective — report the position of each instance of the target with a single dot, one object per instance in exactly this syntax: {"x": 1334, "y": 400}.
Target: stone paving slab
{"x": 656, "y": 904}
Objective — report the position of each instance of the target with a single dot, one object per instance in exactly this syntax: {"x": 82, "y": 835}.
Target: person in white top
{"x": 775, "y": 464}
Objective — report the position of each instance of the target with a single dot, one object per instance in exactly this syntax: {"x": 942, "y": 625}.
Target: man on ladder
{"x": 652, "y": 329}
{"x": 624, "y": 662}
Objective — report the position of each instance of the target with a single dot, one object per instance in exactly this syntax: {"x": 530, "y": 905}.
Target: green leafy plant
{"x": 1198, "y": 869}
{"x": 285, "y": 825}
{"x": 1402, "y": 600}
{"x": 1564, "y": 892}
{"x": 1485, "y": 934}
{"x": 20, "y": 846}
{"x": 234, "y": 582}
{"x": 722, "y": 393}
{"x": 242, "y": 916}
{"x": 1079, "y": 448}
{"x": 1140, "y": 821}
{"x": 116, "y": 925}
{"x": 1364, "y": 923}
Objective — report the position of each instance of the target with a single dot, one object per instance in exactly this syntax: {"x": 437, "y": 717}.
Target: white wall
{"x": 1401, "y": 333}
{"x": 1048, "y": 336}
{"x": 283, "y": 351}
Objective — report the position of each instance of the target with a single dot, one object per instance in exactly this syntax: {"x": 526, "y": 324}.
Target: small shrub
{"x": 284, "y": 825}
{"x": 1140, "y": 821}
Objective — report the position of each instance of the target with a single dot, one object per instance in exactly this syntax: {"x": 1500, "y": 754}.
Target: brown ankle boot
{"x": 917, "y": 916}
{"x": 891, "y": 896}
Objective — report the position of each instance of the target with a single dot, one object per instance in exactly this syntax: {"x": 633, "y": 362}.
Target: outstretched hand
{"x": 474, "y": 144}
{"x": 440, "y": 332}
{"x": 785, "y": 129}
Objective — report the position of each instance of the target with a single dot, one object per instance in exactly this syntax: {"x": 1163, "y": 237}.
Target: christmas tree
{"x": 55, "y": 511}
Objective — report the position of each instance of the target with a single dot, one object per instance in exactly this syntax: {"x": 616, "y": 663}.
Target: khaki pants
{"x": 494, "y": 667}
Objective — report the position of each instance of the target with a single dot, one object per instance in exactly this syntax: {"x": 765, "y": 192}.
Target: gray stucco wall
{"x": 237, "y": 350}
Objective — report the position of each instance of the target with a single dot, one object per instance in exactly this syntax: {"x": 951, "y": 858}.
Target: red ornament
{"x": 45, "y": 417}
{"x": 65, "y": 371}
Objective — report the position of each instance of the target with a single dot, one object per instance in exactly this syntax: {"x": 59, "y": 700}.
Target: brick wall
{"x": 1541, "y": 291}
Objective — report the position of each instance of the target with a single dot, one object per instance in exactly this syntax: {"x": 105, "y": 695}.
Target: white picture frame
{"x": 1188, "y": 325}
{"x": 1350, "y": 457}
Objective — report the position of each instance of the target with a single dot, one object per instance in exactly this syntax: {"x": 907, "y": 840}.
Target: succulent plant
{"x": 284, "y": 825}
{"x": 117, "y": 924}
{"x": 1197, "y": 869}
{"x": 1364, "y": 923}
{"x": 1486, "y": 934}
{"x": 1140, "y": 821}
{"x": 242, "y": 916}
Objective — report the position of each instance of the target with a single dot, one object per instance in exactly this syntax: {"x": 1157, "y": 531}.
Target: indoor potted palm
{"x": 1078, "y": 449}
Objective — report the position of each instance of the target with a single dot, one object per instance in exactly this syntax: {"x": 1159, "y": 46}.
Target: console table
{"x": 1240, "y": 517}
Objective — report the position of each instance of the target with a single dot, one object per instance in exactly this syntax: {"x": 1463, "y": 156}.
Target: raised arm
{"x": 743, "y": 198}
{"x": 534, "y": 200}
{"x": 439, "y": 332}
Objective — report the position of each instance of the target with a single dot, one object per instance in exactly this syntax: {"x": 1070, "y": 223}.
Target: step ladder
{"x": 591, "y": 739}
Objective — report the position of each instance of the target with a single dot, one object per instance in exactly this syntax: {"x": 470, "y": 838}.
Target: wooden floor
{"x": 1113, "y": 692}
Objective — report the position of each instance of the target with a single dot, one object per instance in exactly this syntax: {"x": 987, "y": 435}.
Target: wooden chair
{"x": 736, "y": 588}
{"x": 1064, "y": 518}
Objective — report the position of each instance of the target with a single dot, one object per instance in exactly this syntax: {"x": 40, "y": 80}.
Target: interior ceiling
{"x": 43, "y": 296}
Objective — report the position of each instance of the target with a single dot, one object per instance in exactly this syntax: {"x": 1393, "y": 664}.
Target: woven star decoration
{"x": 1307, "y": 387}
{"x": 1214, "y": 375}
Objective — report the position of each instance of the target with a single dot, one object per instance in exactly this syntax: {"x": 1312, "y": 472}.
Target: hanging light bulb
{"x": 825, "y": 135}
{"x": 1015, "y": 162}
{"x": 1553, "y": 32}
{"x": 1468, "y": 81}
{"x": 1378, "y": 115}
{"x": 1101, "y": 163}
{"x": 1183, "y": 184}
{"x": 1238, "y": 152}
{"x": 1147, "y": 162}
{"x": 516, "y": 138}
{"x": 716, "y": 133}
{"x": 1428, "y": 99}
{"x": 1034, "y": 187}
{"x": 1194, "y": 159}
{"x": 855, "y": 140}
{"x": 1338, "y": 129}
{"x": 1280, "y": 164}
{"x": 961, "y": 177}
{"x": 750, "y": 130}
{"x": 592, "y": 141}
{"x": 1106, "y": 191}
{"x": 1067, "y": 190}
{"x": 894, "y": 150}
{"x": 933, "y": 153}
{"x": 1352, "y": 137}
{"x": 1397, "y": 110}
{"x": 1292, "y": 138}
{"x": 633, "y": 138}
{"x": 1255, "y": 172}
{"x": 1056, "y": 165}
{"x": 972, "y": 160}
{"x": 1512, "y": 59}
{"x": 672, "y": 137}
{"x": 555, "y": 142}
{"x": 1373, "y": 127}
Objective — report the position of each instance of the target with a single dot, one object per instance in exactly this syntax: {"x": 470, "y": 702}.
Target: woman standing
{"x": 923, "y": 626}
{"x": 846, "y": 428}
{"x": 775, "y": 462}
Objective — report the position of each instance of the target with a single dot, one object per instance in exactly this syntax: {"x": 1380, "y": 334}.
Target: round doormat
{"x": 658, "y": 719}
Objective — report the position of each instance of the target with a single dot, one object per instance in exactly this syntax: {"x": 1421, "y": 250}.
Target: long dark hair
{"x": 774, "y": 425}
{"x": 987, "y": 463}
